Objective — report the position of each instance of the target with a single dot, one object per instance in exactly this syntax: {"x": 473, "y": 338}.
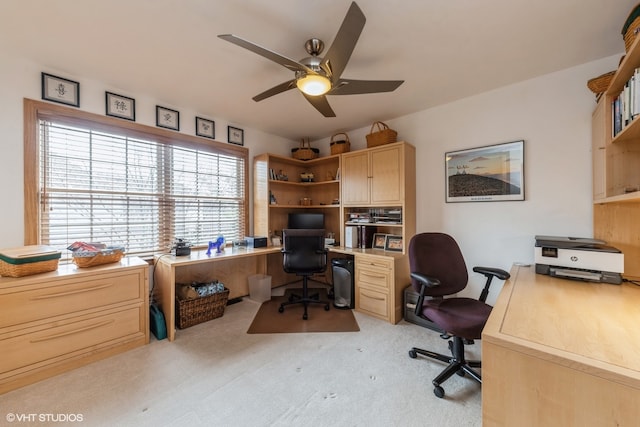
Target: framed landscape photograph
{"x": 485, "y": 174}
{"x": 235, "y": 135}
{"x": 120, "y": 106}
{"x": 60, "y": 90}
{"x": 379, "y": 241}
{"x": 393, "y": 243}
{"x": 167, "y": 118}
{"x": 205, "y": 128}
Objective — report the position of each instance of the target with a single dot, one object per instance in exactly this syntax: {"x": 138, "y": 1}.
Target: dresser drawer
{"x": 373, "y": 302}
{"x": 47, "y": 344}
{"x": 60, "y": 298}
{"x": 374, "y": 261}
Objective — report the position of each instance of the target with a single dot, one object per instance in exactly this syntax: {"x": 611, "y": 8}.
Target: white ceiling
{"x": 443, "y": 49}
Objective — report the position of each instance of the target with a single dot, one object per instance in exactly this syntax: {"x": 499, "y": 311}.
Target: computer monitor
{"x": 306, "y": 220}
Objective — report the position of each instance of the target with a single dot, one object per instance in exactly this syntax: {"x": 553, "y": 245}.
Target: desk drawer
{"x": 46, "y": 344}
{"x": 43, "y": 302}
{"x": 376, "y": 277}
{"x": 373, "y": 302}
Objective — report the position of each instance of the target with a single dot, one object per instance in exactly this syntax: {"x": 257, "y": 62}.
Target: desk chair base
{"x": 305, "y": 299}
{"x": 457, "y": 364}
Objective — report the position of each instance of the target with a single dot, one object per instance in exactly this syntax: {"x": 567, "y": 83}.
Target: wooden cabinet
{"x": 274, "y": 197}
{"x": 379, "y": 189}
{"x": 54, "y": 322}
{"x": 616, "y": 171}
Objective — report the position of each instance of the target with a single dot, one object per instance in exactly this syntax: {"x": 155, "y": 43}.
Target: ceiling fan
{"x": 317, "y": 76}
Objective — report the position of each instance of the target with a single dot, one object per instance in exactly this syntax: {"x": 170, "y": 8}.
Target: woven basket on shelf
{"x": 190, "y": 312}
{"x": 381, "y": 135}
{"x": 341, "y": 145}
{"x": 304, "y": 151}
{"x": 631, "y": 27}
{"x": 600, "y": 84}
{"x": 98, "y": 259}
{"x": 21, "y": 270}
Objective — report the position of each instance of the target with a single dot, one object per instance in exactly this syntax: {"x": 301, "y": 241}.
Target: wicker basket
{"x": 339, "y": 146}
{"x": 600, "y": 84}
{"x": 197, "y": 310}
{"x": 380, "y": 134}
{"x": 28, "y": 260}
{"x": 304, "y": 151}
{"x": 631, "y": 27}
{"x": 107, "y": 257}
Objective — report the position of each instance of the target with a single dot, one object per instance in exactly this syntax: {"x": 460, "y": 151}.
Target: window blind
{"x": 98, "y": 186}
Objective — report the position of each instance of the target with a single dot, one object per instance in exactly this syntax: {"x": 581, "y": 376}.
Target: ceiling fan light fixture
{"x": 313, "y": 84}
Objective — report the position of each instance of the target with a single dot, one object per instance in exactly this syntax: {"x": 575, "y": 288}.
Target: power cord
{"x": 635, "y": 282}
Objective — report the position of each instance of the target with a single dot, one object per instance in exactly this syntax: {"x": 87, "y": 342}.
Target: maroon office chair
{"x": 438, "y": 270}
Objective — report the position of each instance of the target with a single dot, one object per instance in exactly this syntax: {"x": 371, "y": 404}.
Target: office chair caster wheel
{"x": 438, "y": 391}
{"x": 461, "y": 372}
{"x": 326, "y": 307}
{"x": 281, "y": 309}
{"x": 413, "y": 354}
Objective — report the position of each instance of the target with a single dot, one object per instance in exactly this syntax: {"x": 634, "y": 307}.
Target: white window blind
{"x": 102, "y": 187}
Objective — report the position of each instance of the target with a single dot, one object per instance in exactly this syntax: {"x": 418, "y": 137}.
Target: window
{"x": 129, "y": 184}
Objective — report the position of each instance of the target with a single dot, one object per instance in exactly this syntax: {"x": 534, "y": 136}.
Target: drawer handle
{"x": 375, "y": 276}
{"x": 75, "y": 331}
{"x": 76, "y": 291}
{"x": 372, "y": 297}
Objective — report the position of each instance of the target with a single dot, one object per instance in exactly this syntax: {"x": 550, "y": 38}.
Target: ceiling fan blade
{"x": 266, "y": 53}
{"x": 337, "y": 57}
{"x": 321, "y": 104}
{"x": 282, "y": 87}
{"x": 354, "y": 87}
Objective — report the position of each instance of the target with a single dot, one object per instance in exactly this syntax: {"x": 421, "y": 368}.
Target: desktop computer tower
{"x": 343, "y": 283}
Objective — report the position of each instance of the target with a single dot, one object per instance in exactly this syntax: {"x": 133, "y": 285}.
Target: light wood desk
{"x": 232, "y": 267}
{"x": 564, "y": 353}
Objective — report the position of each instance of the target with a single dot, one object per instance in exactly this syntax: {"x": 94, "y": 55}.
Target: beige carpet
{"x": 269, "y": 321}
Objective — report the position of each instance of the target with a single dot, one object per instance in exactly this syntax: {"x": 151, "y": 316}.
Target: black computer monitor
{"x": 306, "y": 220}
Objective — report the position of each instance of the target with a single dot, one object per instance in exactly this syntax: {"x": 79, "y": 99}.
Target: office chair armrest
{"x": 426, "y": 282}
{"x": 490, "y": 273}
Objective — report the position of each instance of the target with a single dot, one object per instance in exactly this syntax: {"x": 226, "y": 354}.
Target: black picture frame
{"x": 120, "y": 106}
{"x": 167, "y": 118}
{"x": 393, "y": 243}
{"x": 205, "y": 128}
{"x": 485, "y": 174}
{"x": 61, "y": 90}
{"x": 235, "y": 135}
{"x": 379, "y": 241}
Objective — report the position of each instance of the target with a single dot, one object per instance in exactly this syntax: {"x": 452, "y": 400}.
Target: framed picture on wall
{"x": 235, "y": 135}
{"x": 60, "y": 90}
{"x": 205, "y": 128}
{"x": 485, "y": 174}
{"x": 120, "y": 106}
{"x": 167, "y": 118}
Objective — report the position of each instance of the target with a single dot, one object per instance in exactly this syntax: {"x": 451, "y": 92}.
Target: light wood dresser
{"x": 58, "y": 321}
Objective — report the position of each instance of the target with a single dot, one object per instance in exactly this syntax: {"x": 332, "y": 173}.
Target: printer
{"x": 579, "y": 258}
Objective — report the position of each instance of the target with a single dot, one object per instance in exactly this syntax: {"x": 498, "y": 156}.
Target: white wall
{"x": 22, "y": 80}
{"x": 552, "y": 114}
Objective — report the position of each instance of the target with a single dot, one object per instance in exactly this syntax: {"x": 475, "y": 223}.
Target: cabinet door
{"x": 386, "y": 171}
{"x": 355, "y": 178}
{"x": 598, "y": 152}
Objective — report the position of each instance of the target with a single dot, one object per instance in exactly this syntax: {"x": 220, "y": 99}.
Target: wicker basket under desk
{"x": 190, "y": 312}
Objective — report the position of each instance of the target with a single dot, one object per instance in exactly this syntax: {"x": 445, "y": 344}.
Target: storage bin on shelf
{"x": 340, "y": 144}
{"x": 92, "y": 254}
{"x": 28, "y": 260}
{"x": 198, "y": 303}
{"x": 381, "y": 134}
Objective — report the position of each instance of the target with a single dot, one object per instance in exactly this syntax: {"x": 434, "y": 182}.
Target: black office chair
{"x": 304, "y": 254}
{"x": 438, "y": 270}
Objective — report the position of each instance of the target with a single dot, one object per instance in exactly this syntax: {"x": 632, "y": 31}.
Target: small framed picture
{"x": 60, "y": 90}
{"x": 379, "y": 241}
{"x": 120, "y": 106}
{"x": 235, "y": 135}
{"x": 167, "y": 118}
{"x": 393, "y": 243}
{"x": 206, "y": 128}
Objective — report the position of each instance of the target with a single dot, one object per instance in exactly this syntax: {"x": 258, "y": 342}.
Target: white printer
{"x": 579, "y": 258}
